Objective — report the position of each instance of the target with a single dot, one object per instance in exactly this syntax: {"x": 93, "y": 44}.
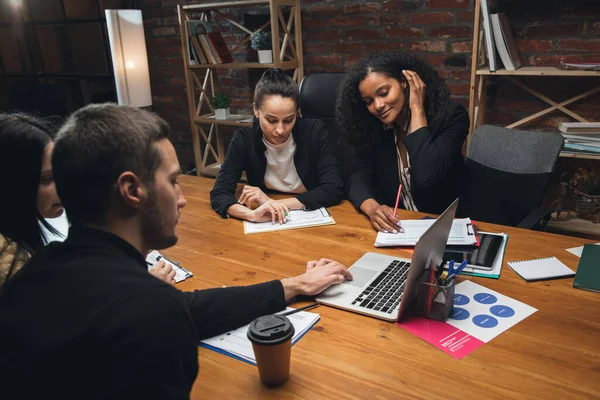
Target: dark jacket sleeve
{"x": 432, "y": 155}
{"x": 330, "y": 186}
{"x": 223, "y": 194}
{"x": 361, "y": 178}
{"x": 219, "y": 310}
{"x": 156, "y": 324}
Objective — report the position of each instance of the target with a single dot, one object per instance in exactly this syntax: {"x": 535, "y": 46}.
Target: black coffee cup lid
{"x": 270, "y": 330}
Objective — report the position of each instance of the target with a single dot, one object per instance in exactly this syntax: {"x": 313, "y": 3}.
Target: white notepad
{"x": 237, "y": 345}
{"x": 541, "y": 268}
{"x": 461, "y": 233}
{"x": 296, "y": 219}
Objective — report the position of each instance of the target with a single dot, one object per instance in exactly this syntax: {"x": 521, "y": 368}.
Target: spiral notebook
{"x": 541, "y": 269}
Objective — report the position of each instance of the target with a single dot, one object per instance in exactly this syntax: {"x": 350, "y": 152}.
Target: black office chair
{"x": 318, "y": 93}
{"x": 508, "y": 174}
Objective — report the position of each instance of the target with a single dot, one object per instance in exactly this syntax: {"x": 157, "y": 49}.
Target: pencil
{"x": 397, "y": 199}
{"x": 312, "y": 305}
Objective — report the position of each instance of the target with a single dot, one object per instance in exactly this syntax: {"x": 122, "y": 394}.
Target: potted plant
{"x": 221, "y": 102}
{"x": 261, "y": 42}
{"x": 586, "y": 184}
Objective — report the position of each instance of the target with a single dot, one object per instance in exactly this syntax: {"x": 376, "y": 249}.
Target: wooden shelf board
{"x": 588, "y": 156}
{"x": 226, "y": 4}
{"x": 284, "y": 65}
{"x": 537, "y": 71}
{"x": 570, "y": 222}
{"x": 233, "y": 120}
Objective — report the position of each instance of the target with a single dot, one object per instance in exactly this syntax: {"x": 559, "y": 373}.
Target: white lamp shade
{"x": 129, "y": 57}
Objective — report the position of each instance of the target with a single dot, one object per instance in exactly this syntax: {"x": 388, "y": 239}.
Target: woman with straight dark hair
{"x": 29, "y": 196}
{"x": 282, "y": 153}
{"x": 394, "y": 109}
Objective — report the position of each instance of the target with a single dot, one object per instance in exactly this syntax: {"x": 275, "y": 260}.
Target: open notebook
{"x": 236, "y": 344}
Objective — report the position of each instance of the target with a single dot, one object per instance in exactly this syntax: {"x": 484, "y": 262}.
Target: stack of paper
{"x": 295, "y": 219}
{"x": 236, "y": 344}
{"x": 462, "y": 233}
{"x": 180, "y": 273}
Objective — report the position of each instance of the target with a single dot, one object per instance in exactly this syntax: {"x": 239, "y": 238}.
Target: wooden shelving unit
{"x": 480, "y": 74}
{"x": 286, "y": 35}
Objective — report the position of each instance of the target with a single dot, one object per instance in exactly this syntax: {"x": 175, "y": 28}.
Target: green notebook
{"x": 588, "y": 271}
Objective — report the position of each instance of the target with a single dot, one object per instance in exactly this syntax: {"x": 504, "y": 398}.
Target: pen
{"x": 397, "y": 199}
{"x": 310, "y": 306}
{"x": 457, "y": 270}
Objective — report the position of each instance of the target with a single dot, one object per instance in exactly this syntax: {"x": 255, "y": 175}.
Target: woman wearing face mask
{"x": 282, "y": 153}
{"x": 394, "y": 109}
{"x": 30, "y": 196}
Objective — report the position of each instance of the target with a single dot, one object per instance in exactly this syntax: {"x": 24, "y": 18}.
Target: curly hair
{"x": 357, "y": 126}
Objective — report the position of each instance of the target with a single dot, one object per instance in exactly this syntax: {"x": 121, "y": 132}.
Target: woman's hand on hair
{"x": 270, "y": 211}
{"x": 253, "y": 194}
{"x": 417, "y": 91}
{"x": 164, "y": 272}
{"x": 383, "y": 219}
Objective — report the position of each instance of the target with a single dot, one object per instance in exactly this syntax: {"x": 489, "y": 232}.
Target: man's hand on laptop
{"x": 319, "y": 276}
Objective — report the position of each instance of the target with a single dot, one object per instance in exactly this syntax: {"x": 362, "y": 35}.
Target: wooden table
{"x": 553, "y": 354}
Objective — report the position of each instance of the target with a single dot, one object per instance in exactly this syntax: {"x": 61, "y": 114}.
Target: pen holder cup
{"x": 435, "y": 301}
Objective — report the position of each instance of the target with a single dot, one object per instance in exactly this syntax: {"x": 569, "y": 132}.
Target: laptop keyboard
{"x": 385, "y": 292}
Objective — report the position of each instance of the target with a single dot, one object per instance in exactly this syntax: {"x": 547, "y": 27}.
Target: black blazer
{"x": 314, "y": 160}
{"x": 87, "y": 320}
{"x": 437, "y": 165}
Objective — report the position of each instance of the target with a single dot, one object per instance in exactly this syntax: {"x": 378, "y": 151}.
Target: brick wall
{"x": 338, "y": 33}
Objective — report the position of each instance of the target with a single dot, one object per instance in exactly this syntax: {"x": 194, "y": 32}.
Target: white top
{"x": 281, "y": 174}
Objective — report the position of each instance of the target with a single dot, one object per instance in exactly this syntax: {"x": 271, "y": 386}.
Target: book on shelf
{"x": 201, "y": 57}
{"x": 207, "y": 50}
{"x": 213, "y": 50}
{"x": 579, "y": 127}
{"x": 490, "y": 49}
{"x": 191, "y": 27}
{"x": 505, "y": 43}
{"x": 218, "y": 44}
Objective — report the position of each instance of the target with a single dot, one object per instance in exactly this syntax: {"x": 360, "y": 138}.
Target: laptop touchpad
{"x": 361, "y": 276}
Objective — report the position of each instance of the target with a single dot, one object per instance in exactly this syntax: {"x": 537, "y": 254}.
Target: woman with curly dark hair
{"x": 394, "y": 110}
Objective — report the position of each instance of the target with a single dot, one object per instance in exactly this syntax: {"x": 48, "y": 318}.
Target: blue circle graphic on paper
{"x": 461, "y": 299}
{"x": 485, "y": 298}
{"x": 502, "y": 311}
{"x": 459, "y": 314}
{"x": 485, "y": 321}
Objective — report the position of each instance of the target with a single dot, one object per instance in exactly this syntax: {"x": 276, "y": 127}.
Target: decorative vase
{"x": 222, "y": 113}
{"x": 265, "y": 56}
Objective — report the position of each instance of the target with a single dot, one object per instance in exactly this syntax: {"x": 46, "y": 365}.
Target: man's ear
{"x": 131, "y": 190}
{"x": 255, "y": 110}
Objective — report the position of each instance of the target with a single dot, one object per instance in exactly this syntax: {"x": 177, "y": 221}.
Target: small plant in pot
{"x": 221, "y": 102}
{"x": 586, "y": 182}
{"x": 261, "y": 42}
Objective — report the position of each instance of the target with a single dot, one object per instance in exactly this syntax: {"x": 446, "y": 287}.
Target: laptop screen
{"x": 429, "y": 252}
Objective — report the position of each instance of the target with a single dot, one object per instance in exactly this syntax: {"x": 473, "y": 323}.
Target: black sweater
{"x": 85, "y": 320}
{"x": 315, "y": 163}
{"x": 437, "y": 165}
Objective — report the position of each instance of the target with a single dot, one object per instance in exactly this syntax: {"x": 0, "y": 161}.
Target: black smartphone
{"x": 481, "y": 257}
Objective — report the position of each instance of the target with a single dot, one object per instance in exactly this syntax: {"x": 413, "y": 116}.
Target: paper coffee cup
{"x": 271, "y": 337}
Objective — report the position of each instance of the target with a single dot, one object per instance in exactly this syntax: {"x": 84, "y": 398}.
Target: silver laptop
{"x": 384, "y": 287}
